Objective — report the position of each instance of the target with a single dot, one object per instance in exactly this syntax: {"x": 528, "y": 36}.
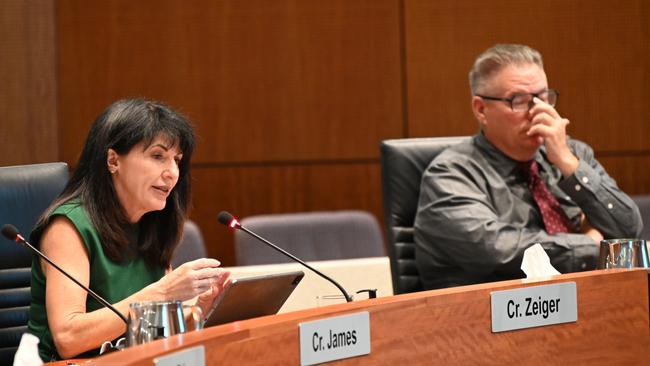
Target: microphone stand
{"x": 348, "y": 298}
{"x": 7, "y": 231}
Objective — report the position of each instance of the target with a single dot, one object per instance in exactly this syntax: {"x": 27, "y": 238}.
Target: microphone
{"x": 229, "y": 220}
{"x": 10, "y": 232}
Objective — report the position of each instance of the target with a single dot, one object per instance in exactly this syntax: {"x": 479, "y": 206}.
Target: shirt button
{"x": 583, "y": 265}
{"x": 610, "y": 206}
{"x": 567, "y": 198}
{"x": 577, "y": 187}
{"x": 585, "y": 180}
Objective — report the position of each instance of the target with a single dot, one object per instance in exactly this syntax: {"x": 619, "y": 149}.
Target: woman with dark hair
{"x": 114, "y": 228}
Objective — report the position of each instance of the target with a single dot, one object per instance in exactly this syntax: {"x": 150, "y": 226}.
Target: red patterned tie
{"x": 555, "y": 219}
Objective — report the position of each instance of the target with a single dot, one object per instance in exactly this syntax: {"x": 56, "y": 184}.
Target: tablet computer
{"x": 250, "y": 297}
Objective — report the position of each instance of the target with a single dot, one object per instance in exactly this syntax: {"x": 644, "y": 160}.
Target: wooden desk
{"x": 449, "y": 326}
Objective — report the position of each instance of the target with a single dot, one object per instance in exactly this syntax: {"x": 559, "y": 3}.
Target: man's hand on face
{"x": 550, "y": 126}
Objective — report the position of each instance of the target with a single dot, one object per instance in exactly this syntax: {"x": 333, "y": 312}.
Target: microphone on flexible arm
{"x": 10, "y": 232}
{"x": 228, "y": 219}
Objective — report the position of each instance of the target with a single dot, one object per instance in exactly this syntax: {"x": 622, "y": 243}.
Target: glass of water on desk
{"x": 623, "y": 253}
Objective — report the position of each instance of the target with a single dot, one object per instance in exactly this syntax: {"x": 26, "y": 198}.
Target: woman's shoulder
{"x": 70, "y": 212}
{"x": 76, "y": 213}
{"x": 72, "y": 209}
{"x": 68, "y": 207}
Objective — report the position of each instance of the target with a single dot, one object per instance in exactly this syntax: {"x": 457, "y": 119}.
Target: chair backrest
{"x": 403, "y": 162}
{"x": 310, "y": 236}
{"x": 25, "y": 192}
{"x": 191, "y": 246}
{"x": 643, "y": 201}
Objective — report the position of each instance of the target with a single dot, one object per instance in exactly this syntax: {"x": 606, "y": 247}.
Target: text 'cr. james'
{"x": 335, "y": 340}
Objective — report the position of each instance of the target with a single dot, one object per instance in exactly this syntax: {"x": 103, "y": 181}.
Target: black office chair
{"x": 25, "y": 192}
{"x": 311, "y": 236}
{"x": 402, "y": 163}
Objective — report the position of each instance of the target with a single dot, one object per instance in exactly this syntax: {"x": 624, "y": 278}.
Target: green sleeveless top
{"x": 111, "y": 280}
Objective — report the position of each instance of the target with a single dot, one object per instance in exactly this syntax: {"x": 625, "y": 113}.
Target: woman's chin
{"x": 157, "y": 205}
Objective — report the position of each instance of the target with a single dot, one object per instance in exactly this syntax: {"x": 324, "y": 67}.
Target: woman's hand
{"x": 206, "y": 299}
{"x": 191, "y": 279}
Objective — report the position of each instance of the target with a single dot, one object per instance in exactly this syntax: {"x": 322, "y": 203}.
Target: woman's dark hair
{"x": 120, "y": 127}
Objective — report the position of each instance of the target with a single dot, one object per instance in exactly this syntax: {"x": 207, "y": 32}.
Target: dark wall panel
{"x": 630, "y": 172}
{"x": 262, "y": 80}
{"x": 597, "y": 53}
{"x": 246, "y": 191}
{"x": 28, "y": 129}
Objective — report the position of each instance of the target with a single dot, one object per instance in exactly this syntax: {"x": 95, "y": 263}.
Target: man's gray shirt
{"x": 476, "y": 215}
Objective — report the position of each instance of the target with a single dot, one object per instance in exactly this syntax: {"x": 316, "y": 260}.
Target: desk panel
{"x": 448, "y": 326}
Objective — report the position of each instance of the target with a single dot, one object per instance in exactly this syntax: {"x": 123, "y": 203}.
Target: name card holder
{"x": 334, "y": 338}
{"x": 194, "y": 356}
{"x": 536, "y": 306}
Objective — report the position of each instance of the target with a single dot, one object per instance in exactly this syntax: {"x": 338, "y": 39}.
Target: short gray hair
{"x": 496, "y": 58}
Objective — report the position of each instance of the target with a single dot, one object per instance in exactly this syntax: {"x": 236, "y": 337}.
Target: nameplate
{"x": 334, "y": 338}
{"x": 194, "y": 356}
{"x": 536, "y": 306}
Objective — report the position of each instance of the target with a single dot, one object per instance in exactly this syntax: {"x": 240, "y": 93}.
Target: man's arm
{"x": 457, "y": 220}
{"x": 605, "y": 206}
{"x": 608, "y": 209}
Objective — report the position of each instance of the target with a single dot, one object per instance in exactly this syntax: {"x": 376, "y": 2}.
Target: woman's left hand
{"x": 206, "y": 299}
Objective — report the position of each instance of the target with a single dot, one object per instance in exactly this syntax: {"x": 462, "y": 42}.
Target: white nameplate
{"x": 536, "y": 306}
{"x": 194, "y": 356}
{"x": 334, "y": 338}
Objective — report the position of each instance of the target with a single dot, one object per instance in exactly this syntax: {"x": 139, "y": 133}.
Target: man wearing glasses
{"x": 521, "y": 180}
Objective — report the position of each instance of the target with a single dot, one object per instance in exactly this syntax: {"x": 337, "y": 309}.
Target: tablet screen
{"x": 250, "y": 297}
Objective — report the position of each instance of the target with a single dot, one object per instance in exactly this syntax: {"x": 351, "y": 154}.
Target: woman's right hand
{"x": 190, "y": 279}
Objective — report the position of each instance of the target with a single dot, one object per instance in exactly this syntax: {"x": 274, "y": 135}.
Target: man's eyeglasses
{"x": 523, "y": 102}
